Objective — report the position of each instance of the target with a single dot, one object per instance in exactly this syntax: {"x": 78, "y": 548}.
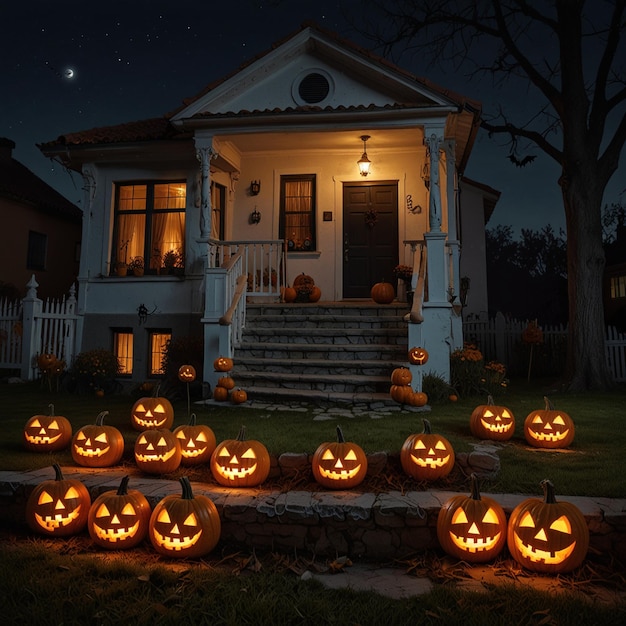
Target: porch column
{"x": 204, "y": 153}
{"x": 433, "y": 143}
{"x": 452, "y": 194}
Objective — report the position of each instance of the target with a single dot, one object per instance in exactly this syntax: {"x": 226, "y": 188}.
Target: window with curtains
{"x": 218, "y": 204}
{"x": 158, "y": 345}
{"x": 297, "y": 212}
{"x": 123, "y": 349}
{"x": 149, "y": 227}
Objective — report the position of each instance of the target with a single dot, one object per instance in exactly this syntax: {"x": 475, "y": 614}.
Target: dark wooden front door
{"x": 370, "y": 236}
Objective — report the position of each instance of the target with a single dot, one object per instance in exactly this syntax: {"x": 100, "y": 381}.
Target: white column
{"x": 433, "y": 143}
{"x": 204, "y": 154}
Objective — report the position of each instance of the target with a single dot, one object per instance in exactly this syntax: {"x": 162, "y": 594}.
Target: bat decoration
{"x": 521, "y": 162}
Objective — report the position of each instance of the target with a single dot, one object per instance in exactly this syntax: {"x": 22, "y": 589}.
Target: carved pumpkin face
{"x": 197, "y": 442}
{"x": 401, "y": 376}
{"x": 472, "y": 528}
{"x": 157, "y": 451}
{"x": 118, "y": 520}
{"x": 152, "y": 413}
{"x": 58, "y": 507}
{"x": 549, "y": 428}
{"x": 47, "y": 433}
{"x": 489, "y": 421}
{"x": 184, "y": 526}
{"x": 187, "y": 373}
{"x": 240, "y": 462}
{"x": 427, "y": 456}
{"x": 547, "y": 536}
{"x": 97, "y": 445}
{"x": 418, "y": 356}
{"x": 223, "y": 364}
{"x": 339, "y": 465}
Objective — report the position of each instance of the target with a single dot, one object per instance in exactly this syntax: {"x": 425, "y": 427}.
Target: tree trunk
{"x": 587, "y": 366}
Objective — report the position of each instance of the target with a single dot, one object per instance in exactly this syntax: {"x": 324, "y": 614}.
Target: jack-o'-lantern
{"x": 118, "y": 520}
{"x": 427, "y": 455}
{"x": 489, "y": 421}
{"x": 184, "y": 526}
{"x": 339, "y": 464}
{"x": 223, "y": 364}
{"x": 549, "y": 428}
{"x": 157, "y": 451}
{"x": 97, "y": 445}
{"x": 58, "y": 507}
{"x": 47, "y": 433}
{"x": 240, "y": 462}
{"x": 418, "y": 356}
{"x": 152, "y": 412}
{"x": 546, "y": 535}
{"x": 472, "y": 528}
{"x": 401, "y": 376}
{"x": 238, "y": 396}
{"x": 197, "y": 442}
{"x": 186, "y": 373}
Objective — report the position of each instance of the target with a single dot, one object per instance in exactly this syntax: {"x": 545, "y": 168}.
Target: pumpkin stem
{"x": 242, "y": 434}
{"x": 427, "y": 429}
{"x": 187, "y": 492}
{"x": 57, "y": 471}
{"x": 549, "y": 405}
{"x": 192, "y": 419}
{"x": 51, "y": 407}
{"x": 548, "y": 491}
{"x": 474, "y": 490}
{"x": 122, "y": 490}
{"x": 490, "y": 399}
{"x": 100, "y": 418}
{"x": 340, "y": 437}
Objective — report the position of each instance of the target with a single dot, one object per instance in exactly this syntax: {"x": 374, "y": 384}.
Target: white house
{"x": 255, "y": 180}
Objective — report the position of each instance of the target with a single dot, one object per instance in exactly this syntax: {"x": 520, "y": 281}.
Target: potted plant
{"x": 136, "y": 265}
{"x": 121, "y": 269}
{"x": 171, "y": 261}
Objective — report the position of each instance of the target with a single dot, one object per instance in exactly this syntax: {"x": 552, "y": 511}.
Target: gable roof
{"x": 18, "y": 183}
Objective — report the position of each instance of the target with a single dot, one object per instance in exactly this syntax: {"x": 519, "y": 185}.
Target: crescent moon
{"x": 69, "y": 73}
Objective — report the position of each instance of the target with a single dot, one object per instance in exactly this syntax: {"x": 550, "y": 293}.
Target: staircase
{"x": 322, "y": 352}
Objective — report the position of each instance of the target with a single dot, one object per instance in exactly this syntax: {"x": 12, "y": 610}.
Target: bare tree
{"x": 569, "y": 56}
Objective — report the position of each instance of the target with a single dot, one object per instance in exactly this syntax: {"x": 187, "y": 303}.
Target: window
{"x": 218, "y": 204}
{"x": 123, "y": 350}
{"x": 297, "y": 212}
{"x": 150, "y": 225}
{"x": 36, "y": 254}
{"x": 618, "y": 287}
{"x": 158, "y": 344}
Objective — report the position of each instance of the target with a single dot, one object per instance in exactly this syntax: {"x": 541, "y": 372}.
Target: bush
{"x": 470, "y": 376}
{"x": 93, "y": 370}
{"x": 436, "y": 388}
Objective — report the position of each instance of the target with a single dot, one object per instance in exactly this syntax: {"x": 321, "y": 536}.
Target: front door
{"x": 370, "y": 236}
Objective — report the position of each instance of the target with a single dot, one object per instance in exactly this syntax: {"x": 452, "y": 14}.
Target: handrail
{"x": 227, "y": 318}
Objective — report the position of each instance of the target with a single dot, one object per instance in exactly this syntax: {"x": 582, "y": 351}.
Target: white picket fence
{"x": 500, "y": 339}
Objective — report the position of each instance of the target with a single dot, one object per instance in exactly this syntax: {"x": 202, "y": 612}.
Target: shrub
{"x": 94, "y": 369}
{"x": 436, "y": 388}
{"x": 470, "y": 376}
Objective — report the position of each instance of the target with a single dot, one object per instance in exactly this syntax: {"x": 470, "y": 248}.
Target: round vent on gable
{"x": 312, "y": 87}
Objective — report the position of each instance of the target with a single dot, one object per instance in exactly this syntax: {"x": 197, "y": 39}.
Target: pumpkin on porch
{"x": 157, "y": 451}
{"x": 472, "y": 528}
{"x": 223, "y": 364}
{"x": 289, "y": 294}
{"x": 152, "y": 412}
{"x": 238, "y": 396}
{"x": 197, "y": 442}
{"x": 548, "y": 427}
{"x": 401, "y": 393}
{"x": 339, "y": 465}
{"x": 186, "y": 525}
{"x": 98, "y": 445}
{"x": 220, "y": 394}
{"x": 401, "y": 376}
{"x": 427, "y": 456}
{"x": 118, "y": 520}
{"x": 546, "y": 535}
{"x": 47, "y": 433}
{"x": 489, "y": 421}
{"x": 226, "y": 381}
{"x": 58, "y": 507}
{"x": 418, "y": 356}
{"x": 383, "y": 293}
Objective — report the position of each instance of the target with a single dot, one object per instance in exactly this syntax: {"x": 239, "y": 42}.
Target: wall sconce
{"x": 364, "y": 163}
{"x": 255, "y": 187}
{"x": 255, "y": 216}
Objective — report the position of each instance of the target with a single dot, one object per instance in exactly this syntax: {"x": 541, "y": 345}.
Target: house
{"x": 41, "y": 231}
{"x": 614, "y": 280}
{"x": 257, "y": 180}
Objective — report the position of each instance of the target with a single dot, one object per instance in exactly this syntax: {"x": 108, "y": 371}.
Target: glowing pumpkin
{"x": 549, "y": 428}
{"x": 118, "y": 520}
{"x": 339, "y": 465}
{"x": 418, "y": 356}
{"x": 383, "y": 293}
{"x": 240, "y": 462}
{"x": 186, "y": 373}
{"x": 184, "y": 526}
{"x": 427, "y": 456}
{"x": 152, "y": 412}
{"x": 489, "y": 421}
{"x": 157, "y": 451}
{"x": 546, "y": 535}
{"x": 47, "y": 433}
{"x": 58, "y": 507}
{"x": 197, "y": 442}
{"x": 97, "y": 445}
{"x": 223, "y": 364}
{"x": 472, "y": 528}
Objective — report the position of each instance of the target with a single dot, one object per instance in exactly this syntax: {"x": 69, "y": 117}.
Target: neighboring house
{"x": 41, "y": 231}
{"x": 255, "y": 181}
{"x": 615, "y": 280}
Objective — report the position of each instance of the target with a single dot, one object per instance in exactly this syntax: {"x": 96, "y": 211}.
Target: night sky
{"x": 68, "y": 65}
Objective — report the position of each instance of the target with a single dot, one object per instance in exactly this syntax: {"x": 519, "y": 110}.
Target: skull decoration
{"x": 427, "y": 456}
{"x": 152, "y": 413}
{"x": 186, "y": 373}
{"x": 472, "y": 528}
{"x": 97, "y": 445}
{"x": 119, "y": 520}
{"x": 184, "y": 526}
{"x": 58, "y": 507}
{"x": 339, "y": 465}
{"x": 549, "y": 428}
{"x": 47, "y": 433}
{"x": 489, "y": 421}
{"x": 197, "y": 442}
{"x": 547, "y": 536}
{"x": 240, "y": 462}
{"x": 157, "y": 451}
